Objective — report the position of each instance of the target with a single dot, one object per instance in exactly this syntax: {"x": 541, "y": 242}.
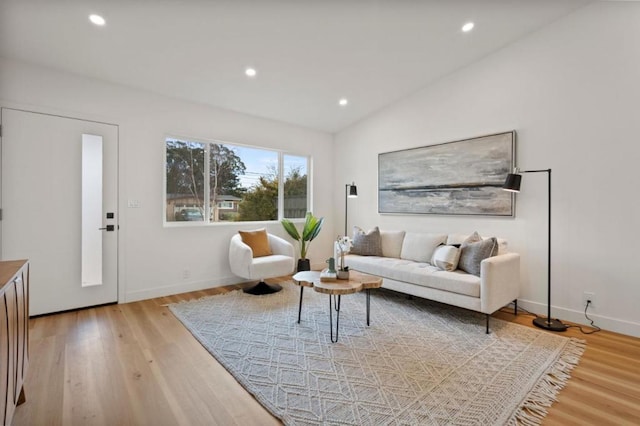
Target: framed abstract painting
{"x": 455, "y": 178}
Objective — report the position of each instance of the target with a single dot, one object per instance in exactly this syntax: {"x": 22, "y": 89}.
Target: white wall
{"x": 153, "y": 257}
{"x": 572, "y": 93}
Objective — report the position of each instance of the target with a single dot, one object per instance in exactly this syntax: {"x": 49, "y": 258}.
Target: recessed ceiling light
{"x": 343, "y": 102}
{"x": 467, "y": 27}
{"x": 250, "y": 72}
{"x": 97, "y": 20}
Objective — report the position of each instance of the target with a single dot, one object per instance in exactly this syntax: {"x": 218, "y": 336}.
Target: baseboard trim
{"x": 169, "y": 290}
{"x": 606, "y": 323}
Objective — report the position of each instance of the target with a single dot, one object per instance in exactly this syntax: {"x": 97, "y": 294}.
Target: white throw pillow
{"x": 446, "y": 258}
{"x": 392, "y": 243}
{"x": 420, "y": 247}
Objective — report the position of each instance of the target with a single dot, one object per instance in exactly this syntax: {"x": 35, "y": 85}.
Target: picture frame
{"x": 463, "y": 177}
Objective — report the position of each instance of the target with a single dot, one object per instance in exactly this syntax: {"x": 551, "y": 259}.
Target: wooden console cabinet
{"x": 14, "y": 335}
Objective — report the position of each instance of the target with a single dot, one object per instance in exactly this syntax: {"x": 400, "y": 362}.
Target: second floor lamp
{"x": 350, "y": 191}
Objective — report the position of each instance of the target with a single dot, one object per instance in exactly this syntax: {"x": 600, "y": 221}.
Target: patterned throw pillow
{"x": 473, "y": 253}
{"x": 366, "y": 244}
{"x": 446, "y": 258}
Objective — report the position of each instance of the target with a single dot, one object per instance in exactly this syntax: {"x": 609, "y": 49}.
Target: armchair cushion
{"x": 258, "y": 241}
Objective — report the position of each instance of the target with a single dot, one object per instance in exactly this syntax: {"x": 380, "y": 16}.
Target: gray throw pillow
{"x": 472, "y": 254}
{"x": 368, "y": 244}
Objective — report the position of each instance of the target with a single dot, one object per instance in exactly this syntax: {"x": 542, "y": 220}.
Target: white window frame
{"x": 207, "y": 189}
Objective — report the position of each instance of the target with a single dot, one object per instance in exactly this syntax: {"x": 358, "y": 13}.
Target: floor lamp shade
{"x": 350, "y": 191}
{"x": 512, "y": 184}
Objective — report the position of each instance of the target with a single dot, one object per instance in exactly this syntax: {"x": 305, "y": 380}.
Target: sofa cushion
{"x": 418, "y": 273}
{"x": 366, "y": 244}
{"x": 391, "y": 243}
{"x": 258, "y": 241}
{"x": 446, "y": 257}
{"x": 472, "y": 254}
{"x": 420, "y": 247}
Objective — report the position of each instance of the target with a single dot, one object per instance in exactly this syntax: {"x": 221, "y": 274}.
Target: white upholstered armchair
{"x": 244, "y": 264}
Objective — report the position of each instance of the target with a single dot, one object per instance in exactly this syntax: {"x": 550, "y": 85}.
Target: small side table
{"x": 357, "y": 282}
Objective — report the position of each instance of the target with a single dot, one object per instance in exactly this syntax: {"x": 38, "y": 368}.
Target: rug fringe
{"x": 534, "y": 408}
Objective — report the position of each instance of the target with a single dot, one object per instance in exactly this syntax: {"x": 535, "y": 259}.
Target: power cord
{"x": 582, "y": 330}
{"x": 595, "y": 327}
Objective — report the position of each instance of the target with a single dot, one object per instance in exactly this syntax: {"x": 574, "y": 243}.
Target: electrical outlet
{"x": 588, "y": 295}
{"x": 186, "y": 274}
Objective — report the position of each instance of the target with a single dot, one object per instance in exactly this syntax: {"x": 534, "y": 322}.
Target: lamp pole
{"x": 346, "y": 207}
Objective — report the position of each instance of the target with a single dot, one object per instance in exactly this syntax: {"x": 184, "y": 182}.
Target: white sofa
{"x": 405, "y": 267}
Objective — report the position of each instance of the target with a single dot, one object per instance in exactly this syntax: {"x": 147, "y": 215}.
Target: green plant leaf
{"x": 317, "y": 229}
{"x": 291, "y": 229}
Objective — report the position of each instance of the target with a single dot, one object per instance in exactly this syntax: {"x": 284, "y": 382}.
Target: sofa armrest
{"x": 240, "y": 257}
{"x": 281, "y": 246}
{"x": 499, "y": 281}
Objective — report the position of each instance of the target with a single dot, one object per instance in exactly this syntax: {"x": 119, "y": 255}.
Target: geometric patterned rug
{"x": 418, "y": 363}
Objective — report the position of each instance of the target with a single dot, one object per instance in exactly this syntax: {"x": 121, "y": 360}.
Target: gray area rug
{"x": 419, "y": 362}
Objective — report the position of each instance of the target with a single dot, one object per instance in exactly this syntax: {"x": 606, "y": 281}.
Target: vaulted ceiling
{"x": 308, "y": 54}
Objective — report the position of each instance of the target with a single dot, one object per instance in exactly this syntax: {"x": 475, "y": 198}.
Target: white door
{"x": 59, "y": 196}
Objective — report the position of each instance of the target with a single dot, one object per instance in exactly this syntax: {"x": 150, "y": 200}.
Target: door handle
{"x": 108, "y": 228}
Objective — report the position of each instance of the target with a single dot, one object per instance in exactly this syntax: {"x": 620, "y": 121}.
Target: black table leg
{"x": 300, "y": 304}
{"x": 337, "y": 308}
{"x": 368, "y": 305}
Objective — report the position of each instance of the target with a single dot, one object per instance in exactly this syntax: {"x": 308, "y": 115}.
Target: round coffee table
{"x": 357, "y": 282}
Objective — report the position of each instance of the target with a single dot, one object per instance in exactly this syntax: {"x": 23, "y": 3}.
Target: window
{"x": 243, "y": 183}
{"x": 295, "y": 186}
{"x": 226, "y": 205}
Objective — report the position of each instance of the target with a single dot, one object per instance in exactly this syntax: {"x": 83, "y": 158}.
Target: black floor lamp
{"x": 350, "y": 191}
{"x": 512, "y": 184}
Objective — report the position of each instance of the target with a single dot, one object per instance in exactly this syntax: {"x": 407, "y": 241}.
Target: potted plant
{"x": 311, "y": 229}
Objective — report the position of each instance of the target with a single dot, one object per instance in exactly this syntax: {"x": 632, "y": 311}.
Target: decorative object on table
{"x": 311, "y": 229}
{"x": 343, "y": 245}
{"x": 343, "y": 274}
{"x": 328, "y": 275}
{"x": 512, "y": 184}
{"x": 419, "y": 362}
{"x": 350, "y": 191}
{"x": 332, "y": 265}
{"x": 245, "y": 263}
{"x": 454, "y": 178}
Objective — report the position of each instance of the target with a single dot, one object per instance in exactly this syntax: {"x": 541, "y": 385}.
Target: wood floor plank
{"x": 135, "y": 364}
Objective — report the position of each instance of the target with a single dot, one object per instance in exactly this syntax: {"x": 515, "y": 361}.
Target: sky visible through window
{"x": 260, "y": 162}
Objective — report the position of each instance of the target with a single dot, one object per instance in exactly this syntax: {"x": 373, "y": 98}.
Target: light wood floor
{"x": 136, "y": 364}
